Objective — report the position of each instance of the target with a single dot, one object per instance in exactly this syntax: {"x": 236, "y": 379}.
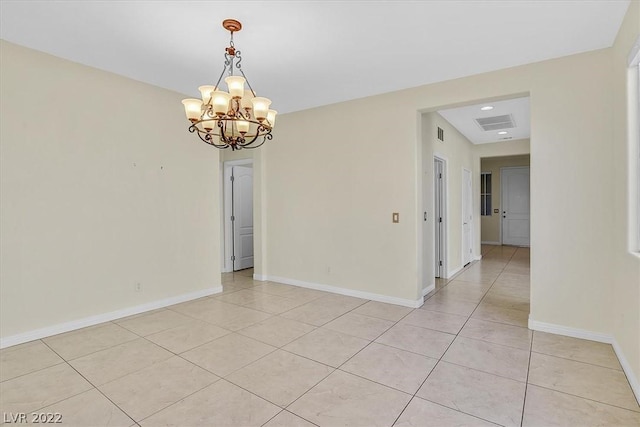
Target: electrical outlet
{"x": 137, "y": 287}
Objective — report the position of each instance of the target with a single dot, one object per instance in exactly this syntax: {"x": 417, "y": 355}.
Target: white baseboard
{"x": 478, "y": 258}
{"x": 452, "y": 273}
{"x": 348, "y": 292}
{"x": 569, "y": 332}
{"x": 626, "y": 367}
{"x": 592, "y": 336}
{"x": 428, "y": 289}
{"x": 491, "y": 243}
{"x": 105, "y": 317}
{"x": 260, "y": 277}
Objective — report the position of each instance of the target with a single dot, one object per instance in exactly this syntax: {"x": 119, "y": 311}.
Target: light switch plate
{"x": 395, "y": 217}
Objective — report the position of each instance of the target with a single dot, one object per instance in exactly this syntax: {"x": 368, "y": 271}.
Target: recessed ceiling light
{"x": 487, "y": 108}
{"x": 502, "y": 132}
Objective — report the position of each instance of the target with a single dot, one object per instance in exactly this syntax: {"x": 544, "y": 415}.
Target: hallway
{"x": 264, "y": 353}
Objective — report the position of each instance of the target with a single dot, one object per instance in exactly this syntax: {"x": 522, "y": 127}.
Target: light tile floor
{"x": 268, "y": 354}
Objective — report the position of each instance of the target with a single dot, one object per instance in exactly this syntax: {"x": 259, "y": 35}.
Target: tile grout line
{"x": 526, "y": 385}
{"x": 434, "y": 368}
{"x": 578, "y": 361}
{"x": 586, "y": 398}
{"x": 95, "y": 387}
{"x": 355, "y": 354}
{"x": 449, "y": 346}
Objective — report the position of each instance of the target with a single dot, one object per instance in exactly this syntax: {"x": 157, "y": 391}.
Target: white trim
{"x": 452, "y": 273}
{"x": 428, "y": 289}
{"x": 260, "y": 277}
{"x": 569, "y": 332}
{"x": 626, "y": 367}
{"x": 633, "y": 58}
{"x": 471, "y": 227}
{"x": 478, "y": 258}
{"x": 490, "y": 243}
{"x": 105, "y": 317}
{"x": 348, "y": 292}
{"x": 445, "y": 213}
{"x": 592, "y": 336}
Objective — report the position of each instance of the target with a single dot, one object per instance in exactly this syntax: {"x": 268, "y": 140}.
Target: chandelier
{"x": 236, "y": 118}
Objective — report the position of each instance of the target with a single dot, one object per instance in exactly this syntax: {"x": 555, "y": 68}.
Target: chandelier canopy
{"x": 236, "y": 118}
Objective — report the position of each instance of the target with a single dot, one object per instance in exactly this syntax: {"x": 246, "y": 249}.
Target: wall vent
{"x": 496, "y": 122}
{"x": 441, "y": 134}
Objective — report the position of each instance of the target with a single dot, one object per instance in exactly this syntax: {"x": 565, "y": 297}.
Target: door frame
{"x": 502, "y": 169}
{"x": 444, "y": 205}
{"x": 227, "y": 263}
{"x": 463, "y": 249}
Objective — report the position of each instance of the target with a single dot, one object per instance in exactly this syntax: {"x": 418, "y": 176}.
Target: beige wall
{"x": 490, "y": 224}
{"x": 624, "y": 273}
{"x": 348, "y": 177}
{"x": 102, "y": 188}
{"x": 329, "y": 214}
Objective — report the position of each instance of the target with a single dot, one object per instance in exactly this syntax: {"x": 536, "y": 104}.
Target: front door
{"x": 515, "y": 206}
{"x": 242, "y": 217}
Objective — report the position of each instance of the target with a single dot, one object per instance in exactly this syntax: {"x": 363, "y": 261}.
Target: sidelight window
{"x": 485, "y": 193}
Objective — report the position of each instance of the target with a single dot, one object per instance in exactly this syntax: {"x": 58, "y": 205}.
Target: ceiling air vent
{"x": 496, "y": 122}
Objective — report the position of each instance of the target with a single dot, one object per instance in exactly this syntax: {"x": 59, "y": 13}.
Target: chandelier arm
{"x": 245, "y": 142}
{"x": 264, "y": 139}
{"x": 208, "y": 140}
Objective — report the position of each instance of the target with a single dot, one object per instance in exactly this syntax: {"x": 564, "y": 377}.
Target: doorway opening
{"x": 238, "y": 215}
{"x": 505, "y": 201}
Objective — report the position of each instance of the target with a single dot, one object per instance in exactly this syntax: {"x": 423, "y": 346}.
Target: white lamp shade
{"x": 205, "y": 92}
{"x": 220, "y": 101}
{"x": 228, "y": 129}
{"x": 242, "y": 126}
{"x": 235, "y": 85}
{"x": 245, "y": 102}
{"x": 271, "y": 118}
{"x": 192, "y": 108}
{"x": 209, "y": 125}
{"x": 260, "y": 107}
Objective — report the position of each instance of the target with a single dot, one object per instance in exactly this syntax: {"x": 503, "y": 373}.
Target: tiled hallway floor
{"x": 269, "y": 354}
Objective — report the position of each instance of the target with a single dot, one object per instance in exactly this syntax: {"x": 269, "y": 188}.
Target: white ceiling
{"x": 309, "y": 53}
{"x": 463, "y": 119}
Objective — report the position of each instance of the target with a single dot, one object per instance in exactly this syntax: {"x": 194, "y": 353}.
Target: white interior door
{"x": 242, "y": 217}
{"x": 515, "y": 206}
{"x": 467, "y": 217}
{"x": 438, "y": 217}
